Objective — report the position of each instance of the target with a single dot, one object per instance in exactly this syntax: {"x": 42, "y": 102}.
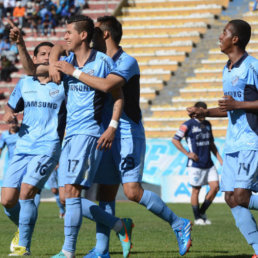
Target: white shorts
{"x": 202, "y": 176}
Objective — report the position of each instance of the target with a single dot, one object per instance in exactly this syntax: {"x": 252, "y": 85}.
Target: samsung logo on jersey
{"x": 40, "y": 104}
{"x": 234, "y": 93}
{"x": 80, "y": 87}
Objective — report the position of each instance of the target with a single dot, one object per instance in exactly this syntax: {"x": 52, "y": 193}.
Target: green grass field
{"x": 151, "y": 236}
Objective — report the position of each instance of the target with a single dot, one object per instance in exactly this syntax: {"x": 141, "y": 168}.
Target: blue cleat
{"x": 125, "y": 236}
{"x": 183, "y": 235}
{"x": 61, "y": 254}
{"x": 93, "y": 254}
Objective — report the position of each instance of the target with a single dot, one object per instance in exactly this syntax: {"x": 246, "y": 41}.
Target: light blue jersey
{"x": 241, "y": 83}
{"x": 84, "y": 104}
{"x": 9, "y": 140}
{"x": 130, "y": 123}
{"x": 43, "y": 123}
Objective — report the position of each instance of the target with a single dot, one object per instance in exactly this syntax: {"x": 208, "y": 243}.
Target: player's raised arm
{"x": 15, "y": 36}
{"x": 210, "y": 112}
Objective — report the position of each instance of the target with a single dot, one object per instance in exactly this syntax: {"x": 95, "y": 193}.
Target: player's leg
{"x": 132, "y": 152}
{"x": 213, "y": 181}
{"x": 108, "y": 180}
{"x": 237, "y": 180}
{"x": 38, "y": 170}
{"x": 195, "y": 206}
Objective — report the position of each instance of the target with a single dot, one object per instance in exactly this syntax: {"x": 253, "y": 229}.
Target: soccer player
{"x": 8, "y": 138}
{"x": 37, "y": 149}
{"x": 200, "y": 167}
{"x": 240, "y": 105}
{"x": 125, "y": 161}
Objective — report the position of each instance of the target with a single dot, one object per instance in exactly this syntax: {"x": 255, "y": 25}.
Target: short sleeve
{"x": 181, "y": 132}
{"x": 16, "y": 101}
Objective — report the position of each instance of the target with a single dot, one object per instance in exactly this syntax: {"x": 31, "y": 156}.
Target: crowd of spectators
{"x": 41, "y": 16}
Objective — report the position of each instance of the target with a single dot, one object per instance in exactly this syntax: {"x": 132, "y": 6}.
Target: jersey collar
{"x": 239, "y": 62}
{"x": 91, "y": 58}
{"x": 117, "y": 54}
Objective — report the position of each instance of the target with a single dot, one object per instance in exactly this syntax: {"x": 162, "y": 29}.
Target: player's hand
{"x": 193, "y": 156}
{"x": 54, "y": 74}
{"x": 15, "y": 34}
{"x": 106, "y": 139}
{"x": 9, "y": 117}
{"x": 195, "y": 112}
{"x": 227, "y": 103}
{"x": 64, "y": 67}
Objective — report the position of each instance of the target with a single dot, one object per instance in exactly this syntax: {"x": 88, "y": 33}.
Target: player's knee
{"x": 215, "y": 189}
{"x": 8, "y": 203}
{"x": 132, "y": 195}
{"x": 229, "y": 199}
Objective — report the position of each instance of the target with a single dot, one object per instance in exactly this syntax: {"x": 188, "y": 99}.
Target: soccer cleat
{"x": 199, "y": 222}
{"x": 125, "y": 236}
{"x": 15, "y": 241}
{"x": 93, "y": 254}
{"x": 19, "y": 251}
{"x": 183, "y": 235}
{"x": 61, "y": 215}
{"x": 59, "y": 255}
{"x": 204, "y": 217}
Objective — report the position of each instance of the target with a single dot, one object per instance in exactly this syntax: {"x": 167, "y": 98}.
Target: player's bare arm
{"x": 180, "y": 147}
{"x": 229, "y": 103}
{"x": 106, "y": 139}
{"x": 103, "y": 84}
{"x": 15, "y": 36}
{"x": 9, "y": 115}
{"x": 55, "y": 54}
{"x": 214, "y": 150}
{"x": 210, "y": 112}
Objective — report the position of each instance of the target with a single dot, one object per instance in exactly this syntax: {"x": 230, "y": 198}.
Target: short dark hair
{"x": 242, "y": 30}
{"x": 111, "y": 24}
{"x": 200, "y": 104}
{"x": 83, "y": 23}
{"x": 45, "y": 43}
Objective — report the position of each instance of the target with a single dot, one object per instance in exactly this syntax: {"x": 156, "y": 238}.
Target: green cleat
{"x": 125, "y": 236}
{"x": 15, "y": 241}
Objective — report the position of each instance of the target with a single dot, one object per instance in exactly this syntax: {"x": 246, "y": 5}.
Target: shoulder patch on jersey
{"x": 183, "y": 128}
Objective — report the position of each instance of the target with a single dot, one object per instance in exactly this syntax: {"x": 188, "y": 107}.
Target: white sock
{"x": 68, "y": 254}
{"x": 118, "y": 226}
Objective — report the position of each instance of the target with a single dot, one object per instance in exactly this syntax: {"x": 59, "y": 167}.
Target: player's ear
{"x": 235, "y": 39}
{"x": 84, "y": 35}
{"x": 106, "y": 34}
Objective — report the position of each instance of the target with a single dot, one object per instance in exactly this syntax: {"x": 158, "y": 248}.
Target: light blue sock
{"x": 13, "y": 213}
{"x": 59, "y": 204}
{"x": 103, "y": 232}
{"x": 72, "y": 223}
{"x": 154, "y": 204}
{"x": 37, "y": 199}
{"x": 253, "y": 203}
{"x": 27, "y": 221}
{"x": 247, "y": 225}
{"x": 93, "y": 212}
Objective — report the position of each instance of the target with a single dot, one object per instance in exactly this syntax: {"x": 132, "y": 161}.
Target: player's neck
{"x": 82, "y": 54}
{"x": 43, "y": 79}
{"x": 112, "y": 48}
{"x": 235, "y": 56}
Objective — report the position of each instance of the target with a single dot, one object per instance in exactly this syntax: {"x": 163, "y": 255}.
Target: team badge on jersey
{"x": 235, "y": 81}
{"x": 53, "y": 92}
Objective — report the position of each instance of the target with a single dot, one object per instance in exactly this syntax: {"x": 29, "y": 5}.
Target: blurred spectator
{"x": 8, "y": 6}
{"x": 11, "y": 53}
{"x": 19, "y": 12}
{"x": 1, "y": 10}
{"x": 255, "y": 5}
{"x": 32, "y": 18}
{"x": 47, "y": 24}
{"x": 7, "y": 67}
{"x": 79, "y": 5}
{"x": 4, "y": 44}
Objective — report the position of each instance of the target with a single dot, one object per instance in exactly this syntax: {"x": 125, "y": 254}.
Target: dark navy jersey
{"x": 130, "y": 123}
{"x": 43, "y": 123}
{"x": 241, "y": 82}
{"x": 199, "y": 138}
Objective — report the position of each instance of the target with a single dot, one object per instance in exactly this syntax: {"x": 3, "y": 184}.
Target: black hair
{"x": 200, "y": 104}
{"x": 83, "y": 23}
{"x": 242, "y": 30}
{"x": 45, "y": 43}
{"x": 111, "y": 24}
